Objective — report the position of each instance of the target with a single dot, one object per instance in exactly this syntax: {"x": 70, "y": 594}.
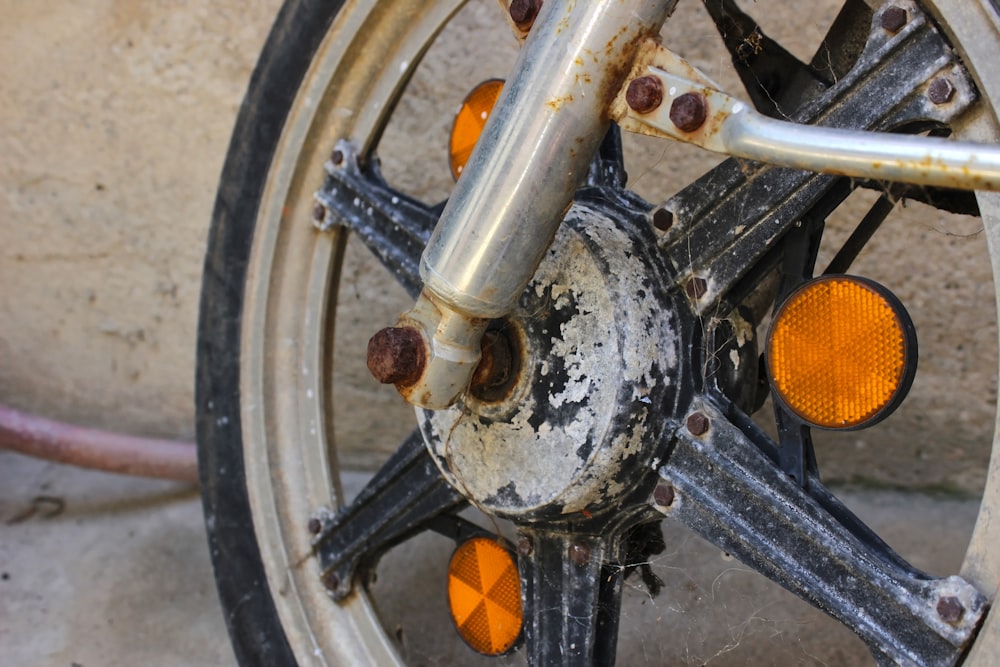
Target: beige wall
{"x": 114, "y": 120}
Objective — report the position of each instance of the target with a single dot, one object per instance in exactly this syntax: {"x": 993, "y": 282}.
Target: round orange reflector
{"x": 470, "y": 121}
{"x": 841, "y": 352}
{"x": 484, "y": 591}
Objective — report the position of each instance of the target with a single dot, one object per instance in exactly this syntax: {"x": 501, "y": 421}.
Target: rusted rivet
{"x": 695, "y": 287}
{"x": 579, "y": 553}
{"x": 337, "y": 157}
{"x": 319, "y": 213}
{"x": 330, "y": 580}
{"x": 689, "y": 111}
{"x": 396, "y": 355}
{"x": 663, "y": 219}
{"x": 950, "y": 609}
{"x": 941, "y": 91}
{"x": 523, "y": 12}
{"x": 697, "y": 423}
{"x": 525, "y": 547}
{"x": 663, "y": 494}
{"x": 644, "y": 94}
{"x": 315, "y": 525}
{"x": 893, "y": 19}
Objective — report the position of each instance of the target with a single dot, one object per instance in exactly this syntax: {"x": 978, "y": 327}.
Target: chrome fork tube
{"x": 519, "y": 182}
{"x": 534, "y": 151}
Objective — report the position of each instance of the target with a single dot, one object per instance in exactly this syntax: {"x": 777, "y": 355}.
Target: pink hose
{"x": 93, "y": 448}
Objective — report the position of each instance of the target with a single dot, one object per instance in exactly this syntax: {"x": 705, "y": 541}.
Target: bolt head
{"x": 579, "y": 553}
{"x": 644, "y": 94}
{"x": 663, "y": 494}
{"x": 396, "y": 355}
{"x": 941, "y": 91}
{"x": 330, "y": 580}
{"x": 337, "y": 157}
{"x": 524, "y": 12}
{"x": 319, "y": 212}
{"x": 950, "y": 609}
{"x": 695, "y": 287}
{"x": 893, "y": 19}
{"x": 663, "y": 219}
{"x": 697, "y": 423}
{"x": 315, "y": 525}
{"x": 689, "y": 111}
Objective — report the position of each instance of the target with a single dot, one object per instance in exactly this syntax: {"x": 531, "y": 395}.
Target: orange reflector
{"x": 469, "y": 123}
{"x": 841, "y": 352}
{"x": 484, "y": 592}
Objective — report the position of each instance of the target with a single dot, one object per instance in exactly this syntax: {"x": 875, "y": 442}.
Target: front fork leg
{"x": 504, "y": 212}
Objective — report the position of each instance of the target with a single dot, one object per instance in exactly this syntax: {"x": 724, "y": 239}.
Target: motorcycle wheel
{"x": 266, "y": 394}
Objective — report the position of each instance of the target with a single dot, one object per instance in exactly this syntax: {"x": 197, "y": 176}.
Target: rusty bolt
{"x": 319, "y": 212}
{"x": 330, "y": 580}
{"x": 337, "y": 157}
{"x": 663, "y": 494}
{"x": 644, "y": 94}
{"x": 579, "y": 553}
{"x": 893, "y": 19}
{"x": 689, "y": 111}
{"x": 663, "y": 219}
{"x": 695, "y": 287}
{"x": 525, "y": 547}
{"x": 315, "y": 525}
{"x": 697, "y": 423}
{"x": 396, "y": 355}
{"x": 941, "y": 91}
{"x": 523, "y": 12}
{"x": 950, "y": 609}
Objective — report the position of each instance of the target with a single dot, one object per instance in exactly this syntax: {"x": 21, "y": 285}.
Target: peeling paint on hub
{"x": 601, "y": 354}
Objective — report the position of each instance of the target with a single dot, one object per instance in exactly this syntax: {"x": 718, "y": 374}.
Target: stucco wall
{"x": 115, "y": 117}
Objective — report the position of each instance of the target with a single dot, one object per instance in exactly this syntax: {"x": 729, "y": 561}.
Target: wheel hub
{"x": 597, "y": 344}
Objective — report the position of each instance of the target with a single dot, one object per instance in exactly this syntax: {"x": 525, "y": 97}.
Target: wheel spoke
{"x": 402, "y": 499}
{"x": 727, "y": 221}
{"x": 394, "y": 226}
{"x": 730, "y": 491}
{"x": 572, "y": 585}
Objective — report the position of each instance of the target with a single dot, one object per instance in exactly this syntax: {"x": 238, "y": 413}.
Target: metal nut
{"x": 697, "y": 423}
{"x": 524, "y": 12}
{"x": 337, "y": 157}
{"x": 950, "y": 609}
{"x": 663, "y": 494}
{"x": 319, "y": 213}
{"x": 695, "y": 287}
{"x": 579, "y": 553}
{"x": 893, "y": 19}
{"x": 315, "y": 525}
{"x": 330, "y": 580}
{"x": 689, "y": 111}
{"x": 396, "y": 355}
{"x": 941, "y": 91}
{"x": 663, "y": 219}
{"x": 644, "y": 94}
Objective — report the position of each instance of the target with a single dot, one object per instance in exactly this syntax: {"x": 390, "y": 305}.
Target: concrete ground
{"x": 99, "y": 570}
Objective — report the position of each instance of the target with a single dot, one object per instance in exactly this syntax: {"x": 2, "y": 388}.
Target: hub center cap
{"x": 600, "y": 358}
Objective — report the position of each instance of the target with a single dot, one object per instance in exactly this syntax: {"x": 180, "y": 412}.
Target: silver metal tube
{"x": 534, "y": 152}
{"x": 877, "y": 155}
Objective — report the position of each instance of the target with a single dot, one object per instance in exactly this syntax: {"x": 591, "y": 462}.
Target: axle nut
{"x": 644, "y": 94}
{"x": 396, "y": 355}
{"x": 689, "y": 111}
